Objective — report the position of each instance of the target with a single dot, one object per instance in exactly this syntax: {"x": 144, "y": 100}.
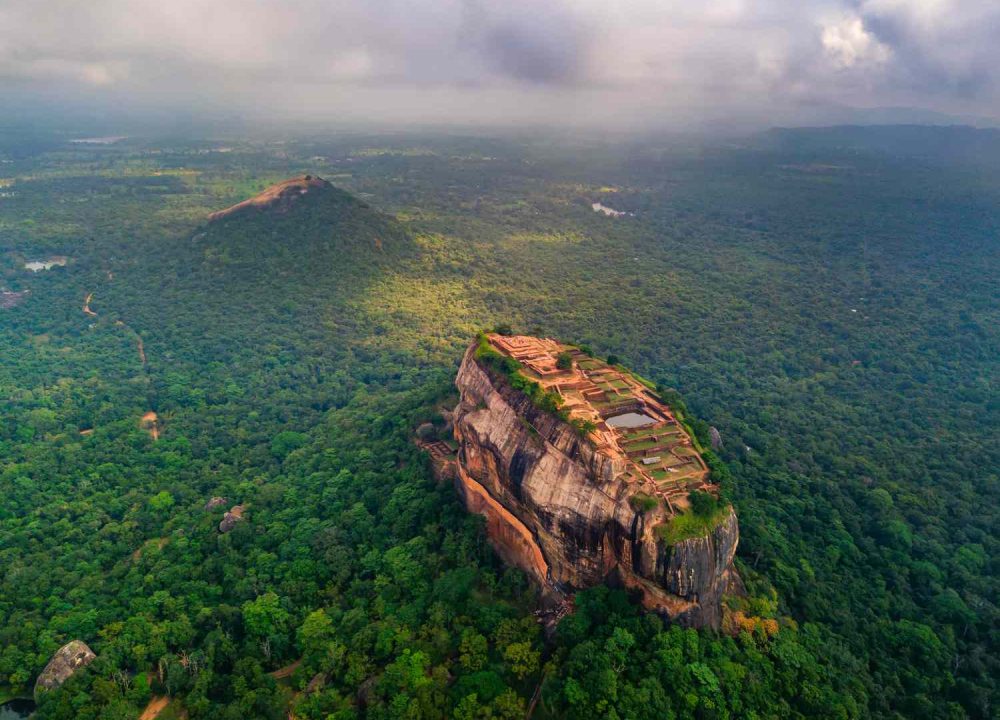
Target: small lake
{"x": 16, "y": 709}
{"x": 630, "y": 420}
{"x": 105, "y": 140}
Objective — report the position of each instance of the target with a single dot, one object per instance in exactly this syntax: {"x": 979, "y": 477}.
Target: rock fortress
{"x": 586, "y": 476}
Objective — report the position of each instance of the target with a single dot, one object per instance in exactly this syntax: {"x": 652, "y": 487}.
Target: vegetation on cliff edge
{"x": 705, "y": 515}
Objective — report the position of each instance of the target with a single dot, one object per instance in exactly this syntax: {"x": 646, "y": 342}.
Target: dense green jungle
{"x": 828, "y": 303}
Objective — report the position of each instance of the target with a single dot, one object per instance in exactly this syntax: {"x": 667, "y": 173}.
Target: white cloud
{"x": 98, "y": 73}
{"x": 847, "y": 44}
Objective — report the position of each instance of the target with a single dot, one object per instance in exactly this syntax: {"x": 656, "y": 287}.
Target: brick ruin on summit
{"x": 630, "y": 420}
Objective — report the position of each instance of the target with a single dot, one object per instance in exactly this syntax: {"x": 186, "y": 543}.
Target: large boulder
{"x": 215, "y": 503}
{"x": 68, "y": 659}
{"x": 231, "y": 518}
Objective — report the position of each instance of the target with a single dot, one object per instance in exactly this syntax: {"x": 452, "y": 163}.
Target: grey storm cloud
{"x": 516, "y": 60}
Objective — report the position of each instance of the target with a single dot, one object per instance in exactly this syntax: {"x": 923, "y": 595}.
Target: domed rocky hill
{"x": 280, "y": 197}
{"x": 302, "y": 223}
{"x": 284, "y": 267}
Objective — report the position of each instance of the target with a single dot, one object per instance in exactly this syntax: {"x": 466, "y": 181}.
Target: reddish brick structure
{"x": 661, "y": 457}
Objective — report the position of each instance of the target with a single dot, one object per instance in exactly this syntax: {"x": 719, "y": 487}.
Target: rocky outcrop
{"x": 559, "y": 508}
{"x": 231, "y": 518}
{"x": 67, "y": 660}
{"x": 215, "y": 503}
{"x": 279, "y": 197}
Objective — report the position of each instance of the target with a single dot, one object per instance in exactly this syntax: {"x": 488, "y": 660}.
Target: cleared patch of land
{"x": 47, "y": 264}
{"x": 156, "y": 705}
{"x": 151, "y": 422}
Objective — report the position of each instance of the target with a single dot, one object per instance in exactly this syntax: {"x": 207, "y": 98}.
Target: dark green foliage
{"x": 582, "y": 426}
{"x": 611, "y": 659}
{"x": 564, "y": 361}
{"x": 702, "y": 503}
{"x": 642, "y": 503}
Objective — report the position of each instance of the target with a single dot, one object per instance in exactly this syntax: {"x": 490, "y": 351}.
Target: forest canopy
{"x": 831, "y": 313}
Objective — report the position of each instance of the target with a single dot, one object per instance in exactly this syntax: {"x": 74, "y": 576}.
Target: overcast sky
{"x": 603, "y": 62}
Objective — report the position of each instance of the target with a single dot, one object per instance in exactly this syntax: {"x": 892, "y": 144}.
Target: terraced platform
{"x": 627, "y": 416}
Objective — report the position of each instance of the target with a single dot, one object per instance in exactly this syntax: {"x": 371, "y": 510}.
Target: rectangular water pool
{"x": 630, "y": 420}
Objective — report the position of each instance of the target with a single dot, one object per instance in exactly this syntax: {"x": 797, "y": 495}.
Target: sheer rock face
{"x": 559, "y": 509}
{"x": 68, "y": 659}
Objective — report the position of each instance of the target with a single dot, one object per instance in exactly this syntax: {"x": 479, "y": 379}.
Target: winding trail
{"x": 286, "y": 671}
{"x": 150, "y": 421}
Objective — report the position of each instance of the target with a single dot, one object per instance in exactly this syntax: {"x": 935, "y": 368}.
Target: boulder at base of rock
{"x": 68, "y": 659}
{"x": 716, "y": 438}
{"x": 317, "y": 683}
{"x": 230, "y": 519}
{"x": 215, "y": 503}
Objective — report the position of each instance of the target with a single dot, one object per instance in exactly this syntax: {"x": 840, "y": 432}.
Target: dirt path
{"x": 150, "y": 422}
{"x": 286, "y": 671}
{"x": 155, "y": 707}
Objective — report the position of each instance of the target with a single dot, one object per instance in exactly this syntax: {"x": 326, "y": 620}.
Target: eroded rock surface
{"x": 215, "y": 503}
{"x": 67, "y": 660}
{"x": 231, "y": 518}
{"x": 558, "y": 507}
{"x": 278, "y": 198}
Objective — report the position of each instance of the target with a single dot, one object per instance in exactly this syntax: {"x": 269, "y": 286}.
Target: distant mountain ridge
{"x": 949, "y": 143}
